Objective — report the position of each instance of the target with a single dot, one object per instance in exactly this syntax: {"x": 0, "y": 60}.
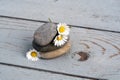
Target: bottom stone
{"x": 57, "y": 52}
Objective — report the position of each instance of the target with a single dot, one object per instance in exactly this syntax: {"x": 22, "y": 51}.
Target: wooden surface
{"x": 100, "y": 14}
{"x": 28, "y": 74}
{"x": 18, "y": 23}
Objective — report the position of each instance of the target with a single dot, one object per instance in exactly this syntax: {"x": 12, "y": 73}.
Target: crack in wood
{"x": 18, "y": 18}
{"x": 54, "y": 72}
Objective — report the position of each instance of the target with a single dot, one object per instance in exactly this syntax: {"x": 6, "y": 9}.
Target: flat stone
{"x": 57, "y": 52}
{"x": 45, "y": 34}
{"x": 47, "y": 48}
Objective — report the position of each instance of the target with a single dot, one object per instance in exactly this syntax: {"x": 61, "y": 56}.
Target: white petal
{"x": 34, "y": 59}
{"x": 67, "y": 29}
{"x": 60, "y": 43}
{"x": 29, "y": 57}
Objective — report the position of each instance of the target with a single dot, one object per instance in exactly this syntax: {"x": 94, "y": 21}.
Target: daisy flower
{"x": 60, "y": 40}
{"x": 63, "y": 29}
{"x": 32, "y": 55}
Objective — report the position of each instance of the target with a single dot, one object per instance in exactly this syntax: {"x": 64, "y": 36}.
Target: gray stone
{"x": 47, "y": 48}
{"x": 45, "y": 34}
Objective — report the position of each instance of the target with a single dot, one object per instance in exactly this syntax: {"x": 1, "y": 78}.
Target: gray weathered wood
{"x": 15, "y": 73}
{"x": 101, "y": 14}
{"x": 103, "y": 48}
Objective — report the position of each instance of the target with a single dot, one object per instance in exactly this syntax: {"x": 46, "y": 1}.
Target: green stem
{"x": 50, "y": 20}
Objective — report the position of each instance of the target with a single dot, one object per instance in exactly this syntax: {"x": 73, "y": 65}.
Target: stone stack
{"x": 43, "y": 39}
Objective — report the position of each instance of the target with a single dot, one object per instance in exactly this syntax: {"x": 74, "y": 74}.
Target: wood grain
{"x": 28, "y": 74}
{"x": 102, "y": 14}
{"x": 16, "y": 40}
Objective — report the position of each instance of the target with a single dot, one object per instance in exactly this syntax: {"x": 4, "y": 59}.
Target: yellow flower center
{"x": 60, "y": 37}
{"x": 62, "y": 29}
{"x": 34, "y": 54}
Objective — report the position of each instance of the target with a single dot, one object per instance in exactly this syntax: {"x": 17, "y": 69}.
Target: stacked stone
{"x": 44, "y": 36}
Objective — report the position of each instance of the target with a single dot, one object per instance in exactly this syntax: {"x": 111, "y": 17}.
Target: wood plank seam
{"x": 54, "y": 72}
{"x": 33, "y": 20}
{"x": 88, "y": 37}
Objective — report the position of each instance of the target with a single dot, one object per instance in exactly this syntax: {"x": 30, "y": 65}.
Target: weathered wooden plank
{"x": 103, "y": 48}
{"x": 16, "y": 73}
{"x": 102, "y": 14}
